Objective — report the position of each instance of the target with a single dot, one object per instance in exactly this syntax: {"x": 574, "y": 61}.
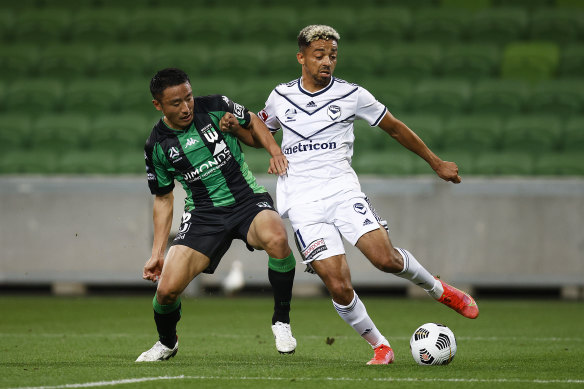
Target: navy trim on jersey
{"x": 318, "y": 109}
{"x": 329, "y": 86}
{"x": 319, "y": 131}
{"x": 379, "y": 118}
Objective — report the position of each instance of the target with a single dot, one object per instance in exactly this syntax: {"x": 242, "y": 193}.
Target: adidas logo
{"x": 367, "y": 222}
{"x": 312, "y": 104}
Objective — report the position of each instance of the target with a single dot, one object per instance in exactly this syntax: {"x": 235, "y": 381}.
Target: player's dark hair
{"x": 166, "y": 78}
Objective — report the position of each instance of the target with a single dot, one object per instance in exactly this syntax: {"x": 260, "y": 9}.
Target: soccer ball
{"x": 433, "y": 344}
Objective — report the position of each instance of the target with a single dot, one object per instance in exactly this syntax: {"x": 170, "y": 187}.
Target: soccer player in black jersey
{"x": 223, "y": 203}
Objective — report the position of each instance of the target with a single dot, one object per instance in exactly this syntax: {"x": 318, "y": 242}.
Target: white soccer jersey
{"x": 318, "y": 138}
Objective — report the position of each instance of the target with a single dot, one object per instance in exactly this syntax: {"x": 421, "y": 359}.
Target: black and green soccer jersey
{"x": 207, "y": 162}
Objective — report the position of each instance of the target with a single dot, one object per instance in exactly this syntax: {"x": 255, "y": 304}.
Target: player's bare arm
{"x": 162, "y": 218}
{"x": 446, "y": 170}
{"x": 257, "y": 135}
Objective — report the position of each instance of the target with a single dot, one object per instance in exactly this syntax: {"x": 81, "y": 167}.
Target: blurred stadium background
{"x": 495, "y": 85}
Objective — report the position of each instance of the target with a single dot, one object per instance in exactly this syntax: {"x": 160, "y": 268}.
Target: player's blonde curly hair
{"x": 315, "y": 32}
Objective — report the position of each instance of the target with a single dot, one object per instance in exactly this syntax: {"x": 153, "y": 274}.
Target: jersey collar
{"x": 329, "y": 86}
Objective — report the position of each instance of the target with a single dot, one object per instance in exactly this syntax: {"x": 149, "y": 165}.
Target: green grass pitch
{"x": 54, "y": 343}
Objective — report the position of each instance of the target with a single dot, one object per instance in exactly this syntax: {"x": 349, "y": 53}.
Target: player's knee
{"x": 390, "y": 263}
{"x": 166, "y": 296}
{"x": 277, "y": 244}
{"x": 341, "y": 292}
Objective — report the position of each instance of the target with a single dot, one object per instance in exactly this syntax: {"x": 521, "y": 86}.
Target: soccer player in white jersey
{"x": 321, "y": 194}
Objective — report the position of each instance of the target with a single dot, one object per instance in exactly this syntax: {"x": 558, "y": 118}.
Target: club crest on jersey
{"x": 210, "y": 134}
{"x": 334, "y": 112}
{"x": 291, "y": 114}
{"x": 359, "y": 208}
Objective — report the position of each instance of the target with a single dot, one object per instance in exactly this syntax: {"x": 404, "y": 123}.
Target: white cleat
{"x": 158, "y": 352}
{"x": 285, "y": 342}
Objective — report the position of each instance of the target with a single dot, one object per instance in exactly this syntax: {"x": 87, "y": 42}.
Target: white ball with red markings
{"x": 433, "y": 344}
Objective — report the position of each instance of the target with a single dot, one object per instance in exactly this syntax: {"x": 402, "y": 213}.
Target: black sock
{"x": 282, "y": 288}
{"x": 166, "y": 326}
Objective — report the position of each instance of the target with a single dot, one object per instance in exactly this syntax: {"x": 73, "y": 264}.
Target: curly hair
{"x": 315, "y": 32}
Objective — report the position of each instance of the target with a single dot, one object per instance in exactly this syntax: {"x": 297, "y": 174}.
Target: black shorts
{"x": 211, "y": 231}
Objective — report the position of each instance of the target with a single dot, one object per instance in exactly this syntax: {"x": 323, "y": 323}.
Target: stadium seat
{"x": 503, "y": 97}
{"x": 119, "y": 132}
{"x": 193, "y": 59}
{"x": 253, "y": 93}
{"x": 123, "y": 61}
{"x": 577, "y": 4}
{"x": 531, "y": 61}
{"x": 440, "y": 96}
{"x": 559, "y": 25}
{"x": 412, "y": 61}
{"x": 360, "y": 61}
{"x": 389, "y": 163}
{"x": 442, "y": 25}
{"x": 131, "y": 162}
{"x": 6, "y": 24}
{"x": 281, "y": 61}
{"x": 571, "y": 61}
{"x": 229, "y": 87}
{"x": 560, "y": 164}
{"x": 394, "y": 93}
{"x": 66, "y": 61}
{"x": 465, "y": 160}
{"x": 39, "y": 162}
{"x": 42, "y": 25}
{"x": 126, "y": 5}
{"x": 92, "y": 96}
{"x": 19, "y": 60}
{"x": 533, "y": 133}
{"x": 98, "y": 26}
{"x": 415, "y": 4}
{"x": 154, "y": 25}
{"x": 474, "y": 5}
{"x": 29, "y": 96}
{"x": 498, "y": 25}
{"x": 574, "y": 134}
{"x": 505, "y": 163}
{"x": 526, "y": 4}
{"x": 279, "y": 23}
{"x": 428, "y": 127}
{"x": 471, "y": 61}
{"x": 15, "y": 131}
{"x": 386, "y": 24}
{"x": 373, "y": 139}
{"x": 204, "y": 24}
{"x": 341, "y": 18}
{"x": 60, "y": 132}
{"x": 238, "y": 61}
{"x": 3, "y": 90}
{"x": 136, "y": 97}
{"x": 472, "y": 133}
{"x": 87, "y": 162}
{"x": 559, "y": 96}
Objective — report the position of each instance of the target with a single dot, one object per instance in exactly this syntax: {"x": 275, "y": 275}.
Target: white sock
{"x": 356, "y": 316}
{"x": 417, "y": 274}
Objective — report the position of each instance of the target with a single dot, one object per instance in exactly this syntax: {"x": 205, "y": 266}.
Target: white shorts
{"x": 318, "y": 225}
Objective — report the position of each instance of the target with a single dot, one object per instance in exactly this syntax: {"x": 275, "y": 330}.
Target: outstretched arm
{"x": 257, "y": 135}
{"x": 448, "y": 171}
{"x": 162, "y": 218}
